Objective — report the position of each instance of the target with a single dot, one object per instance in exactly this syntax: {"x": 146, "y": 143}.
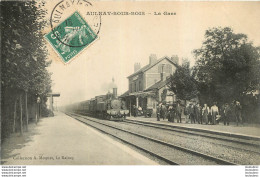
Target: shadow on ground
{"x": 17, "y": 141}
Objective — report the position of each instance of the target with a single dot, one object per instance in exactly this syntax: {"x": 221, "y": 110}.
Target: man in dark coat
{"x": 170, "y": 113}
{"x": 226, "y": 113}
{"x": 192, "y": 113}
{"x": 158, "y": 110}
{"x": 238, "y": 110}
{"x": 163, "y": 111}
{"x": 198, "y": 115}
{"x": 187, "y": 113}
{"x": 178, "y": 112}
{"x": 134, "y": 111}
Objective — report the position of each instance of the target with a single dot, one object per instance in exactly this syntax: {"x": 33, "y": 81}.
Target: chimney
{"x": 115, "y": 92}
{"x": 152, "y": 59}
{"x": 137, "y": 66}
{"x": 175, "y": 59}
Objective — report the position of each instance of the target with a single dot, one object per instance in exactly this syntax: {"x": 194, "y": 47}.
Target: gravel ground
{"x": 216, "y": 148}
{"x": 172, "y": 154}
{"x": 246, "y": 144}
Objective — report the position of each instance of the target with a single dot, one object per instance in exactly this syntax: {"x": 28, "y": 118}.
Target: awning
{"x": 138, "y": 94}
{"x": 142, "y": 94}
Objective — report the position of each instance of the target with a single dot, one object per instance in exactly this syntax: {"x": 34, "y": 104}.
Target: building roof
{"x": 124, "y": 94}
{"x": 157, "y": 85}
{"x": 146, "y": 67}
{"x": 140, "y": 70}
{"x": 148, "y": 91}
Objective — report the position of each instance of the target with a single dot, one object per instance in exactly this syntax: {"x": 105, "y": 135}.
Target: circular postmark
{"x": 71, "y": 25}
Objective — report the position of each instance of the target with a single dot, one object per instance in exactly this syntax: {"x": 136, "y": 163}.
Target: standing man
{"x": 238, "y": 110}
{"x": 170, "y": 114}
{"x": 163, "y": 111}
{"x": 158, "y": 111}
{"x": 198, "y": 116}
{"x": 178, "y": 112}
{"x": 226, "y": 113}
{"x": 187, "y": 113}
{"x": 205, "y": 113}
{"x": 214, "y": 113}
{"x": 134, "y": 110}
{"x": 192, "y": 113}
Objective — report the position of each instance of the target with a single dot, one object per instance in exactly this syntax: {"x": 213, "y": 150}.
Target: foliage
{"x": 183, "y": 82}
{"x": 227, "y": 66}
{"x": 23, "y": 51}
{"x": 23, "y": 54}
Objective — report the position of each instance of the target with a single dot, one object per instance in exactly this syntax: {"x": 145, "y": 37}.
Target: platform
{"x": 249, "y": 131}
{"x": 62, "y": 140}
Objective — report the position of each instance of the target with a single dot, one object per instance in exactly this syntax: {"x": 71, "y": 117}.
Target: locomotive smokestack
{"x": 115, "y": 92}
{"x": 114, "y": 88}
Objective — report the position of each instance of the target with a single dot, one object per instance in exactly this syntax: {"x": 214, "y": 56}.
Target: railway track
{"x": 167, "y": 152}
{"x": 227, "y": 138}
{"x": 216, "y": 142}
{"x": 251, "y": 146}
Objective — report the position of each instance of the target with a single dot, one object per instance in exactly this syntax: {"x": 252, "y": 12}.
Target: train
{"x": 107, "y": 106}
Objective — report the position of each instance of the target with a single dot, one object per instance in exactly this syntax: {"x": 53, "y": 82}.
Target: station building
{"x": 147, "y": 86}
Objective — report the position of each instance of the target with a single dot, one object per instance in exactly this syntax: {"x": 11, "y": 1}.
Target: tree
{"x": 227, "y": 66}
{"x": 23, "y": 59}
{"x": 183, "y": 82}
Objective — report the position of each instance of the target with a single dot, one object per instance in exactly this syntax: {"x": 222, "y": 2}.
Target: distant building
{"x": 148, "y": 85}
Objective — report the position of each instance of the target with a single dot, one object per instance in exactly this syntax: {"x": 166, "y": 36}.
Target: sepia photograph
{"x": 130, "y": 83}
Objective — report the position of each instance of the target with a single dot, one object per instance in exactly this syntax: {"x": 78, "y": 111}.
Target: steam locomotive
{"x": 106, "y": 106}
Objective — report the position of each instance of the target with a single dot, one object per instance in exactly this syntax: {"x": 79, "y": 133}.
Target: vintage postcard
{"x": 130, "y": 83}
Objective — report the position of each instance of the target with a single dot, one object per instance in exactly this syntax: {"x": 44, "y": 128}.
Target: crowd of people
{"x": 195, "y": 113}
{"x": 137, "y": 111}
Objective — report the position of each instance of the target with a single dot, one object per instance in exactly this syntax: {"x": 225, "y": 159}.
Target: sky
{"x": 125, "y": 40}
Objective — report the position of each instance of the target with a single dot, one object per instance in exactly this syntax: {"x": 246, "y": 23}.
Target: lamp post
{"x": 38, "y": 109}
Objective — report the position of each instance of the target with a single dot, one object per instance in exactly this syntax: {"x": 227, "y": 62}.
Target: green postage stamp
{"x": 71, "y": 36}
